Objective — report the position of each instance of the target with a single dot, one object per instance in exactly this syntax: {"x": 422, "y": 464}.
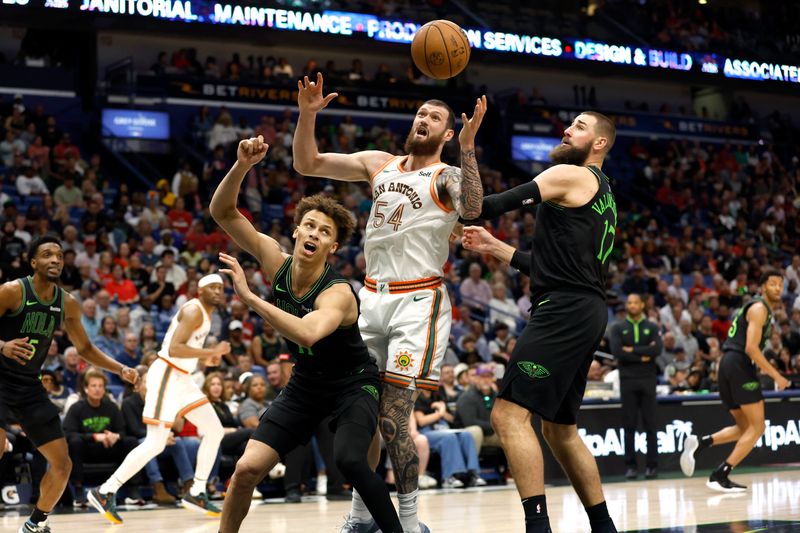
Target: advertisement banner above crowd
{"x": 347, "y": 24}
{"x": 546, "y": 121}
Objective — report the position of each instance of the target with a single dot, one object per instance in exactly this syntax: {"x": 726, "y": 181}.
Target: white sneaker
{"x": 426, "y": 482}
{"x": 278, "y": 471}
{"x": 690, "y": 445}
{"x": 257, "y": 495}
{"x": 452, "y": 483}
{"x": 322, "y": 484}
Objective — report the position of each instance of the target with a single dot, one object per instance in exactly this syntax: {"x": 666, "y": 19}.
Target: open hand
{"x": 20, "y": 350}
{"x": 467, "y": 136}
{"x": 252, "y": 150}
{"x": 237, "y": 275}
{"x": 309, "y": 95}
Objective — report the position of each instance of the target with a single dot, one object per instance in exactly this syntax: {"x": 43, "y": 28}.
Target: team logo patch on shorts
{"x": 533, "y": 370}
{"x": 372, "y": 391}
{"x": 403, "y": 360}
{"x": 751, "y": 386}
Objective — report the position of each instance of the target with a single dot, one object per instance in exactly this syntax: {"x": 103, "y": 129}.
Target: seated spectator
{"x": 784, "y": 363}
{"x": 502, "y": 308}
{"x": 236, "y": 436}
{"x": 267, "y": 346}
{"x": 158, "y": 288}
{"x": 475, "y": 291}
{"x": 57, "y": 392}
{"x": 132, "y": 409}
{"x": 790, "y": 338}
{"x": 120, "y": 288}
{"x": 10, "y": 146}
{"x": 244, "y": 363}
{"x": 449, "y": 390}
{"x": 95, "y": 432}
{"x": 499, "y": 347}
{"x": 31, "y": 184}
{"x": 67, "y": 194}
{"x": 255, "y": 402}
{"x": 678, "y": 370}
{"x": 474, "y": 409}
{"x": 174, "y": 273}
{"x": 238, "y": 345}
{"x": 456, "y": 448}
{"x": 130, "y": 355}
{"x": 109, "y": 341}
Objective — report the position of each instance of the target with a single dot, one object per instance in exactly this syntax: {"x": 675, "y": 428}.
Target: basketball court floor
{"x": 772, "y": 504}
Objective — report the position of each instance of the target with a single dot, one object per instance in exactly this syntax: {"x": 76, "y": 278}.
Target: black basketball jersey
{"x": 340, "y": 353}
{"x": 37, "y": 320}
{"x": 571, "y": 245}
{"x": 737, "y": 333}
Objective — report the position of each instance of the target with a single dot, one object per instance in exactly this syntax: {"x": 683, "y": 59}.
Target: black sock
{"x": 599, "y": 518}
{"x": 705, "y": 442}
{"x": 536, "y": 519}
{"x": 38, "y": 516}
{"x": 723, "y": 470}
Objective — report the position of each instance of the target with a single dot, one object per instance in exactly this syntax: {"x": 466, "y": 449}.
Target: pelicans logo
{"x": 403, "y": 360}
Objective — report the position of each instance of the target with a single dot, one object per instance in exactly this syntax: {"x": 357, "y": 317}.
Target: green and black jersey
{"x": 37, "y": 320}
{"x": 737, "y": 333}
{"x": 571, "y": 245}
{"x": 340, "y": 353}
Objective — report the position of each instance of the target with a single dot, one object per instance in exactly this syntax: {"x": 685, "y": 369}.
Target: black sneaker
{"x": 631, "y": 473}
{"x": 293, "y": 496}
{"x": 651, "y": 472}
{"x": 339, "y": 495}
{"x": 722, "y": 483}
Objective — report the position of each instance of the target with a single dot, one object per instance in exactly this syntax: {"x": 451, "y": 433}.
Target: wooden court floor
{"x": 678, "y": 504}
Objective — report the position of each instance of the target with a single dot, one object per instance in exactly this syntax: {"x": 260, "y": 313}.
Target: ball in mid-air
{"x": 440, "y": 49}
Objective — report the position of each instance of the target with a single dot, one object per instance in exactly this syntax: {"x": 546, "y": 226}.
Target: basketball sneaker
{"x": 200, "y": 504}
{"x": 351, "y": 526}
{"x": 30, "y": 527}
{"x": 722, "y": 483}
{"x": 690, "y": 445}
{"x": 106, "y": 505}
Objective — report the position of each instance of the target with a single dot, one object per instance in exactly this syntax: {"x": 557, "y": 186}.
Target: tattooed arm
{"x": 462, "y": 189}
{"x": 396, "y": 406}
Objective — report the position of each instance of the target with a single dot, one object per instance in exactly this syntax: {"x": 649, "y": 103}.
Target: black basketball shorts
{"x": 305, "y": 402}
{"x": 738, "y": 380}
{"x": 30, "y": 407}
{"x": 548, "y": 367}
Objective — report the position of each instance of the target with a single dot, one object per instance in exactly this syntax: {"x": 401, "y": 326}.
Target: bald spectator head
{"x": 89, "y": 308}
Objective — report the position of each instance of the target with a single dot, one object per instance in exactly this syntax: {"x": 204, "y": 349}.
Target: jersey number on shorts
{"x": 395, "y": 219}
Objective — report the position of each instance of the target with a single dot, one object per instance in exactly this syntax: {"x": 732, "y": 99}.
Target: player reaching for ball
{"x": 405, "y": 311}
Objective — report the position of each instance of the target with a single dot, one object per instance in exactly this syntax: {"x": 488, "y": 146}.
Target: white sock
{"x": 408, "y": 511}
{"x": 111, "y": 486}
{"x": 359, "y": 511}
{"x": 198, "y": 486}
{"x": 207, "y": 422}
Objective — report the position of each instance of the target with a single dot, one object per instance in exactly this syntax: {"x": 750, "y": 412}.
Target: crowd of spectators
{"x": 697, "y": 224}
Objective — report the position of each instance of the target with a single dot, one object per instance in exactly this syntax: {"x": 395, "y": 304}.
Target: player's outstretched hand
{"x": 477, "y": 239}
{"x": 309, "y": 95}
{"x": 252, "y": 150}
{"x": 237, "y": 275}
{"x": 19, "y": 350}
{"x": 467, "y": 136}
{"x": 129, "y": 374}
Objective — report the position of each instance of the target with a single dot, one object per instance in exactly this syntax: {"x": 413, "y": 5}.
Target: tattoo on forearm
{"x": 396, "y": 406}
{"x": 471, "y": 186}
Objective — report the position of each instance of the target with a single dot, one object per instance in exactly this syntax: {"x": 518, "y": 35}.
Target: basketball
{"x": 440, "y": 49}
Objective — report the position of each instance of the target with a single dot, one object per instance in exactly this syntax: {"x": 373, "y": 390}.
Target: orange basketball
{"x": 440, "y": 49}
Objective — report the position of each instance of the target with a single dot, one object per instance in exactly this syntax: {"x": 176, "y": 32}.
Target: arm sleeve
{"x": 495, "y": 205}
{"x": 522, "y": 262}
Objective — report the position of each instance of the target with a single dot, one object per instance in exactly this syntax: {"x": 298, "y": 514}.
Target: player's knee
{"x": 500, "y": 421}
{"x": 247, "y": 473}
{"x": 347, "y": 461}
{"x": 63, "y": 468}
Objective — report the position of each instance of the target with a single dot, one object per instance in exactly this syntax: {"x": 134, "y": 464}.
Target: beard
{"x": 422, "y": 147}
{"x": 52, "y": 279}
{"x": 567, "y": 154}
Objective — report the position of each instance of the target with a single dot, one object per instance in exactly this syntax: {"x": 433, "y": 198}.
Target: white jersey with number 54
{"x": 409, "y": 228}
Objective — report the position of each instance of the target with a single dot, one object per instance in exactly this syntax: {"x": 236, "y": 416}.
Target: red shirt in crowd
{"x": 125, "y": 290}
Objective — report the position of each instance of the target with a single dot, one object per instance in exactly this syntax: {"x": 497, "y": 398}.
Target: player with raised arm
{"x": 316, "y": 311}
{"x": 574, "y": 236}
{"x": 405, "y": 312}
{"x": 31, "y": 310}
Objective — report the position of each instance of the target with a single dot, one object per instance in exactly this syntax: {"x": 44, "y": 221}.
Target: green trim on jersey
{"x": 51, "y": 302}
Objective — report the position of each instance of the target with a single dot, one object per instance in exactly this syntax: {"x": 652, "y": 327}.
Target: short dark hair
{"x": 33, "y": 249}
{"x": 768, "y": 273}
{"x": 604, "y": 127}
{"x": 345, "y": 224}
{"x": 451, "y": 116}
{"x": 166, "y": 252}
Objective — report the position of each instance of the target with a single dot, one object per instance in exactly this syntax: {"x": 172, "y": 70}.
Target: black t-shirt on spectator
{"x": 132, "y": 409}
{"x": 140, "y": 277}
{"x": 71, "y": 277}
{"x": 84, "y": 420}
{"x": 169, "y": 288}
{"x": 224, "y": 414}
